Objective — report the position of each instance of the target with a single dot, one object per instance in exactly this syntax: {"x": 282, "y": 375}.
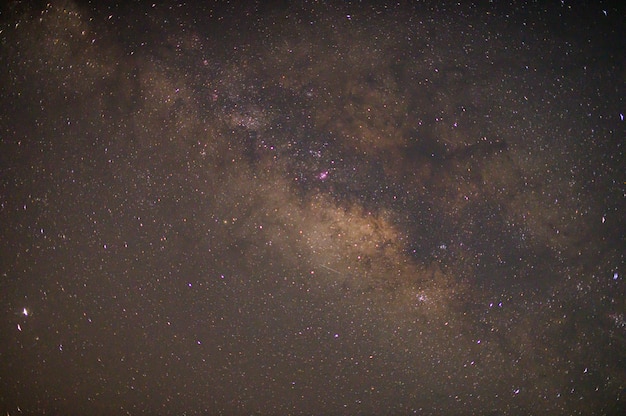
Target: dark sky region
{"x": 312, "y": 208}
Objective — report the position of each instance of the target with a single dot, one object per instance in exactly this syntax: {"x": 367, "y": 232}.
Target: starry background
{"x": 312, "y": 208}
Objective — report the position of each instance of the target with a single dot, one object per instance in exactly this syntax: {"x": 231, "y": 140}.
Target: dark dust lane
{"x": 312, "y": 209}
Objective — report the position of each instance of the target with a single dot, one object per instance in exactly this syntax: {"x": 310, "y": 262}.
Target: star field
{"x": 312, "y": 209}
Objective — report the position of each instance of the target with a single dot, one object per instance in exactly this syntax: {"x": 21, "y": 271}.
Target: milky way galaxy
{"x": 312, "y": 209}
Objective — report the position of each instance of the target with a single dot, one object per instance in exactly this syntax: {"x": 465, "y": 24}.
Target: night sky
{"x": 312, "y": 208}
